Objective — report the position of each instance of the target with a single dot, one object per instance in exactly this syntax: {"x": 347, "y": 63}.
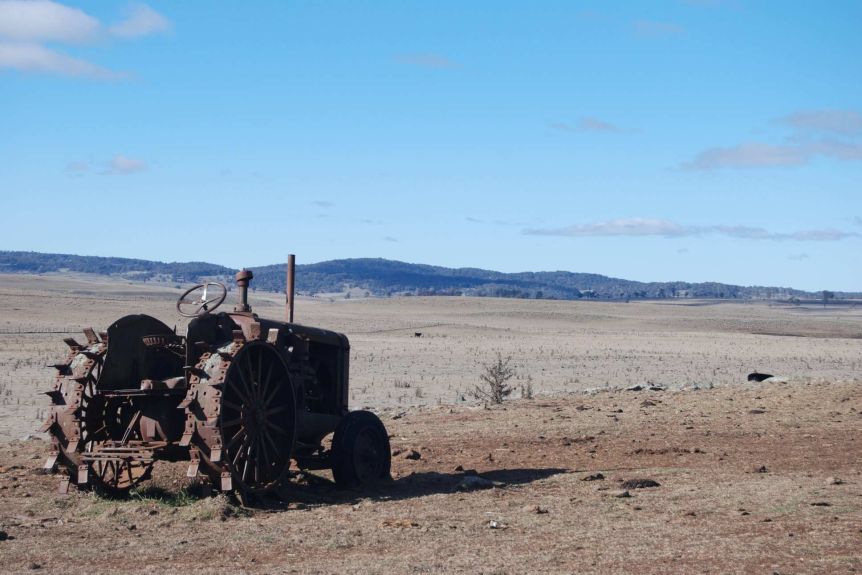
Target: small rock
{"x": 4, "y": 536}
{"x": 397, "y": 451}
{"x": 821, "y": 504}
{"x": 474, "y": 482}
{"x": 593, "y": 477}
{"x": 413, "y": 455}
{"x": 639, "y": 484}
{"x": 34, "y": 566}
{"x": 756, "y": 411}
{"x": 761, "y": 469}
{"x": 620, "y": 494}
{"x": 459, "y": 468}
{"x": 690, "y": 514}
{"x": 635, "y": 388}
{"x": 834, "y": 481}
{"x": 492, "y": 524}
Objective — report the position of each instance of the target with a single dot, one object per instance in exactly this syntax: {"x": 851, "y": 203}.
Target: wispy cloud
{"x": 390, "y": 239}
{"x": 857, "y": 220}
{"x": 814, "y": 134}
{"x": 141, "y": 21}
{"x": 121, "y": 165}
{"x": 586, "y": 124}
{"x": 642, "y": 227}
{"x": 759, "y": 155}
{"x": 370, "y": 222}
{"x": 841, "y": 122}
{"x": 473, "y": 220}
{"x": 26, "y": 26}
{"x": 323, "y": 204}
{"x": 428, "y": 60}
{"x": 653, "y": 29}
{"x": 32, "y": 57}
{"x": 748, "y": 155}
{"x": 77, "y": 168}
{"x": 45, "y": 21}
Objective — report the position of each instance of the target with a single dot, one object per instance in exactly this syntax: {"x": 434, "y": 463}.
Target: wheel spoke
{"x": 265, "y": 449}
{"x": 255, "y": 392}
{"x": 240, "y": 451}
{"x": 275, "y": 427}
{"x": 249, "y": 389}
{"x": 246, "y": 397}
{"x": 232, "y": 405}
{"x": 271, "y": 395}
{"x": 264, "y": 385}
{"x": 271, "y": 441}
{"x": 235, "y": 438}
{"x": 275, "y": 410}
{"x": 232, "y": 422}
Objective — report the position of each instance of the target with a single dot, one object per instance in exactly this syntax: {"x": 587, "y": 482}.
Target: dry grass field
{"x": 753, "y": 477}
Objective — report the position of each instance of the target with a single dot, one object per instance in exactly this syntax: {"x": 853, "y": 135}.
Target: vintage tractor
{"x": 238, "y": 396}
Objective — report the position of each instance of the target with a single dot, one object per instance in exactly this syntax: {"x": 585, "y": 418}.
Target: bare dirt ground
{"x": 752, "y": 477}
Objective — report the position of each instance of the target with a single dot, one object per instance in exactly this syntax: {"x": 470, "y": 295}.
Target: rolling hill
{"x": 381, "y": 277}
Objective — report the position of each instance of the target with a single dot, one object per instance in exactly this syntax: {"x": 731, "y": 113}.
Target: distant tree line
{"x": 382, "y": 278}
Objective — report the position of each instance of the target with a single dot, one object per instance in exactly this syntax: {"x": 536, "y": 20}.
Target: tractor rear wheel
{"x": 248, "y": 396}
{"x": 360, "y": 450}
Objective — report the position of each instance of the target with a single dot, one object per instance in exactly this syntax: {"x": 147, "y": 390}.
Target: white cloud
{"x": 43, "y": 20}
{"x": 77, "y": 168}
{"x": 121, "y": 165}
{"x": 27, "y": 26}
{"x": 749, "y": 155}
{"x": 30, "y": 57}
{"x": 816, "y": 133}
{"x": 142, "y": 21}
{"x": 640, "y": 227}
{"x": 757, "y": 155}
{"x": 845, "y": 122}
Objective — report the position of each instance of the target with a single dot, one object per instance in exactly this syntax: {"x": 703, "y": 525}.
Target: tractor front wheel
{"x": 360, "y": 450}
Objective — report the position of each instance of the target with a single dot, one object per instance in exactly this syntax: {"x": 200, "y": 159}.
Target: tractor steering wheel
{"x": 206, "y": 303}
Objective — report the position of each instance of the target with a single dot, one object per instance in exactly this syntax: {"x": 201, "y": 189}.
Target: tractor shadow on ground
{"x": 313, "y": 490}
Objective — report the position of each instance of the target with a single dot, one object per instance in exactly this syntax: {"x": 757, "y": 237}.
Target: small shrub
{"x": 494, "y": 388}
{"x": 527, "y": 388}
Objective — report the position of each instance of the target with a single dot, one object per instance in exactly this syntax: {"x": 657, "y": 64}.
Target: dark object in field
{"x": 593, "y": 477}
{"x": 754, "y": 376}
{"x": 239, "y": 397}
{"x": 417, "y": 334}
{"x": 639, "y": 484}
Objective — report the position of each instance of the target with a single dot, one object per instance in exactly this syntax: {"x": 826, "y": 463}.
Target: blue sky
{"x": 700, "y": 140}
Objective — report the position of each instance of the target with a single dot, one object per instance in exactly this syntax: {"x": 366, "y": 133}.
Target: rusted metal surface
{"x": 240, "y": 397}
{"x": 289, "y": 289}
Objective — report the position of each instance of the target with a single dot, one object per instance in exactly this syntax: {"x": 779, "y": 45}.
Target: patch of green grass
{"x": 153, "y": 494}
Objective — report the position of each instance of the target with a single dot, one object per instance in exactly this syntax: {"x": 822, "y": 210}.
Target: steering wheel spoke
{"x": 196, "y": 307}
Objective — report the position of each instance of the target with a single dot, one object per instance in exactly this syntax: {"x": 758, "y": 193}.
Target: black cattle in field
{"x": 754, "y": 376}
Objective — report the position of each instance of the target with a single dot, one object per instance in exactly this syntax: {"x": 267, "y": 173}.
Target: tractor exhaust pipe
{"x": 243, "y": 278}
{"x": 289, "y": 289}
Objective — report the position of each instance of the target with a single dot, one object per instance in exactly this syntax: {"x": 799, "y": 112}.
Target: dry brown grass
{"x": 703, "y": 440}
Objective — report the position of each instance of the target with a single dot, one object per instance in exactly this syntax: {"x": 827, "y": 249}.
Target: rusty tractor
{"x": 238, "y": 396}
